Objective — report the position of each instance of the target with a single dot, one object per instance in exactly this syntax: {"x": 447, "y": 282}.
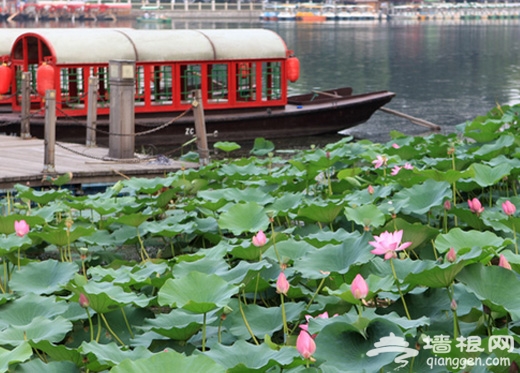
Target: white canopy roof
{"x": 98, "y": 45}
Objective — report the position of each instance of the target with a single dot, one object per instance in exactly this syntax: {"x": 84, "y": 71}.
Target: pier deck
{"x": 22, "y": 162}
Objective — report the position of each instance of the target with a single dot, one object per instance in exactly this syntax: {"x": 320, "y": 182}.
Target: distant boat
{"x": 153, "y": 18}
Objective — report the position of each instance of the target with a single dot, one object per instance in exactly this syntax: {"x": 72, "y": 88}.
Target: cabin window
{"x": 72, "y": 86}
{"x": 246, "y": 81}
{"x": 190, "y": 80}
{"x": 271, "y": 81}
{"x": 140, "y": 83}
{"x": 218, "y": 83}
{"x": 161, "y": 84}
{"x": 103, "y": 86}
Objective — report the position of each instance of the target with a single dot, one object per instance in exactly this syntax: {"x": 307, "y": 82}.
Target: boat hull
{"x": 304, "y": 115}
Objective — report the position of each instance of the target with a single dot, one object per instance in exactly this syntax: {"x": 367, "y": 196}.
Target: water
{"x": 446, "y": 72}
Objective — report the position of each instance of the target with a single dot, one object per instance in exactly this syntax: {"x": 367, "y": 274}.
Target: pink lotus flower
{"x": 83, "y": 301}
{"x": 359, "y": 287}
{"x": 509, "y": 208}
{"x": 380, "y": 161}
{"x": 408, "y": 166}
{"x": 21, "y": 228}
{"x": 395, "y": 146}
{"x": 475, "y": 206}
{"x": 395, "y": 170}
{"x": 370, "y": 189}
{"x": 259, "y": 239}
{"x": 388, "y": 243}
{"x": 447, "y": 205}
{"x": 451, "y": 256}
{"x": 305, "y": 344}
{"x": 324, "y": 315}
{"x": 503, "y": 262}
{"x": 282, "y": 285}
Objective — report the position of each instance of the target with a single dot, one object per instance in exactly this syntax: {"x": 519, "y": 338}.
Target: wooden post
{"x": 121, "y": 141}
{"x": 50, "y": 131}
{"x": 25, "y": 130}
{"x": 200, "y": 129}
{"x": 92, "y": 111}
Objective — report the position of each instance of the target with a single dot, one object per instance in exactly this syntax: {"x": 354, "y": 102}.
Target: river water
{"x": 445, "y": 72}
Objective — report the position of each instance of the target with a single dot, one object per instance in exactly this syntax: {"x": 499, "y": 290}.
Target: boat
{"x": 153, "y": 18}
{"x": 309, "y": 12}
{"x": 242, "y": 76}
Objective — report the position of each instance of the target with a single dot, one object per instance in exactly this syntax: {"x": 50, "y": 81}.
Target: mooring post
{"x": 50, "y": 132}
{"x": 200, "y": 129}
{"x": 25, "y": 129}
{"x": 92, "y": 111}
{"x": 121, "y": 141}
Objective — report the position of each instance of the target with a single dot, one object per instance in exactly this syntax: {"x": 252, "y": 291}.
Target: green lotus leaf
{"x": 164, "y": 228}
{"x": 343, "y": 347}
{"x": 40, "y": 328}
{"x": 36, "y": 365}
{"x": 286, "y": 202}
{"x": 262, "y": 147}
{"x": 197, "y": 292}
{"x": 148, "y": 186}
{"x": 366, "y": 215}
{"x": 242, "y": 357}
{"x": 450, "y": 176}
{"x": 133, "y": 220}
{"x": 335, "y": 258}
{"x": 44, "y": 277}
{"x": 483, "y": 130}
{"x": 104, "y": 356}
{"x": 41, "y": 197}
{"x": 179, "y": 325}
{"x": 495, "y": 148}
{"x": 421, "y": 198}
{"x": 323, "y": 213}
{"x": 59, "y": 352}
{"x": 248, "y": 195}
{"x": 21, "y": 353}
{"x": 486, "y": 175}
{"x": 13, "y": 243}
{"x": 25, "y": 309}
{"x": 496, "y": 287}
{"x": 104, "y": 297}
{"x": 459, "y": 239}
{"x": 138, "y": 275}
{"x": 58, "y": 235}
{"x": 244, "y": 217}
{"x": 164, "y": 361}
{"x": 434, "y": 275}
{"x": 243, "y": 172}
{"x": 226, "y": 146}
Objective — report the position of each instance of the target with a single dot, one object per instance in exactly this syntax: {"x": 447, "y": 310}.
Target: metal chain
{"x": 134, "y": 160}
{"x": 142, "y": 133}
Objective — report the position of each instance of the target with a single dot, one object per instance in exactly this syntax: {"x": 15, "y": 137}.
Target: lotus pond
{"x": 354, "y": 257}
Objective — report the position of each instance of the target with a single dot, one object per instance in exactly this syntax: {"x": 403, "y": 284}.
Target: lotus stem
{"x": 142, "y": 250}
{"x": 399, "y": 289}
{"x": 248, "y": 327}
{"x": 274, "y": 241}
{"x": 99, "y": 328}
{"x": 284, "y": 319}
{"x": 111, "y": 331}
{"x": 320, "y": 285}
{"x": 127, "y": 323}
{"x": 204, "y": 332}
{"x": 91, "y": 326}
{"x": 514, "y": 238}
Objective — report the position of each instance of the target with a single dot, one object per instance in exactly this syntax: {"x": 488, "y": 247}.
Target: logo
{"x": 392, "y": 343}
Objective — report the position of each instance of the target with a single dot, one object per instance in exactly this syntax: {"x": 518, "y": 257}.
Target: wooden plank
{"x": 21, "y": 161}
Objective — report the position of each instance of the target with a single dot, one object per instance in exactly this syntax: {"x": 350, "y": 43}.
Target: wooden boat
{"x": 243, "y": 77}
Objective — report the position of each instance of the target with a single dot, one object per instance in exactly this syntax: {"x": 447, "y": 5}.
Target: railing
{"x": 200, "y": 6}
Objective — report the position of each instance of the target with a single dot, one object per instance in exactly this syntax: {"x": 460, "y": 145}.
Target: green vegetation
{"x": 160, "y": 273}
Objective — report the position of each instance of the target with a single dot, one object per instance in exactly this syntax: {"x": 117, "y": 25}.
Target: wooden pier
{"x": 22, "y": 162}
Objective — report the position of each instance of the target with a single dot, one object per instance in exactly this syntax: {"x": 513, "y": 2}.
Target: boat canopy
{"x": 95, "y": 45}
{"x": 7, "y": 38}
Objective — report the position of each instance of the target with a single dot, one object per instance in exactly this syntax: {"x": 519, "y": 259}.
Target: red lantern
{"x": 293, "y": 68}
{"x": 44, "y": 78}
{"x": 243, "y": 69}
{"x": 6, "y": 74}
